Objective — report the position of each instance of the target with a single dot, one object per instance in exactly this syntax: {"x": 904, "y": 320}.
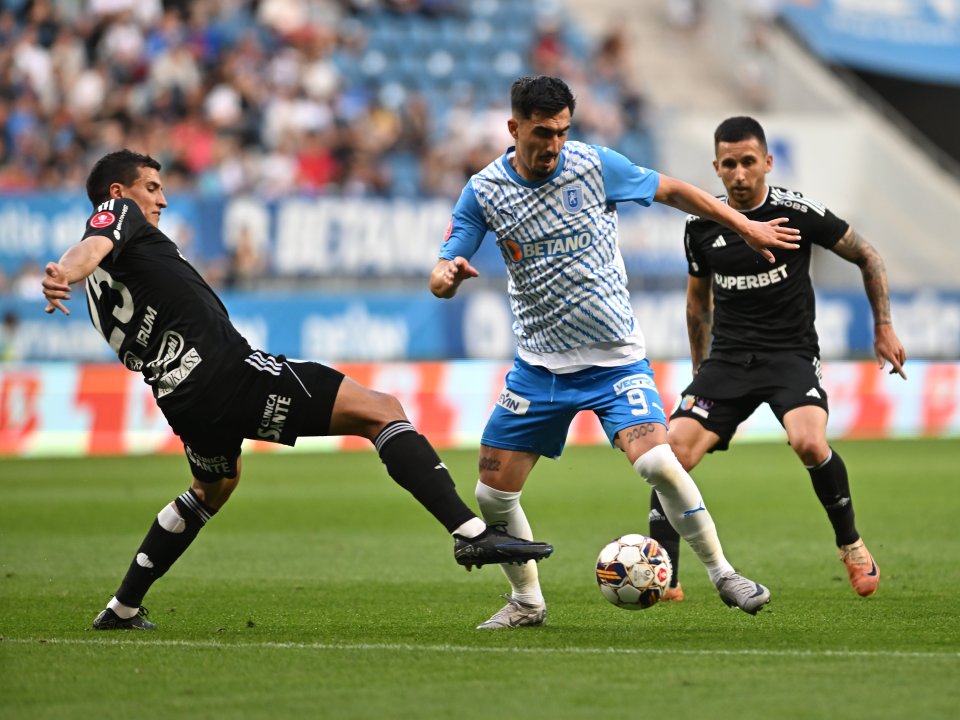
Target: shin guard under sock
{"x": 832, "y": 486}
{"x": 683, "y": 506}
{"x": 664, "y": 533}
{"x": 500, "y": 505}
{"x": 168, "y": 537}
{"x": 415, "y": 466}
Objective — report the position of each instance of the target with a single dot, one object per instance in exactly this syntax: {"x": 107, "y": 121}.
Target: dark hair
{"x": 122, "y": 166}
{"x": 737, "y": 129}
{"x": 540, "y": 94}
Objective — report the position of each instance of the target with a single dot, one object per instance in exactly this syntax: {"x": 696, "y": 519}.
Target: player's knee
{"x": 686, "y": 454}
{"x": 215, "y": 494}
{"x": 380, "y": 410}
{"x": 811, "y": 449}
{"x": 495, "y": 501}
{"x": 659, "y": 465}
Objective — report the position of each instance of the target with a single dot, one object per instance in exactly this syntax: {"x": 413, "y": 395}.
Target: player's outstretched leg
{"x": 495, "y": 546}
{"x": 686, "y": 511}
{"x": 414, "y": 465}
{"x": 174, "y": 529}
{"x": 525, "y": 604}
{"x": 832, "y": 486}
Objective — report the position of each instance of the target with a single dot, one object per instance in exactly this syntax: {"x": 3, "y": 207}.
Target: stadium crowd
{"x": 360, "y": 97}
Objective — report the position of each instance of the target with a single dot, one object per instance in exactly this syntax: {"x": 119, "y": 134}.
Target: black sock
{"x": 415, "y": 466}
{"x": 832, "y": 487}
{"x": 664, "y": 533}
{"x": 161, "y": 548}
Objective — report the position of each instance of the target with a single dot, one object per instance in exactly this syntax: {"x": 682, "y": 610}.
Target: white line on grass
{"x": 407, "y": 647}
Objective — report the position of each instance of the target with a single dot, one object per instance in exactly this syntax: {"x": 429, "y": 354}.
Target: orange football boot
{"x": 863, "y": 572}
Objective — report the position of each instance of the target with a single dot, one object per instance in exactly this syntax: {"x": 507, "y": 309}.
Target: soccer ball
{"x": 633, "y": 572}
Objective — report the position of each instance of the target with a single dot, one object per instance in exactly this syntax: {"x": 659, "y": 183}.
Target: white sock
{"x": 123, "y": 611}
{"x": 499, "y": 505}
{"x": 684, "y": 507}
{"x": 471, "y": 528}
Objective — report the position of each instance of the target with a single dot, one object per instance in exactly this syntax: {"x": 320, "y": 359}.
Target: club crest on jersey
{"x": 572, "y": 198}
{"x": 102, "y": 219}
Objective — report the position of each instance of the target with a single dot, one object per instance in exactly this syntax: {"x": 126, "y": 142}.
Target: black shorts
{"x": 266, "y": 397}
{"x": 727, "y": 390}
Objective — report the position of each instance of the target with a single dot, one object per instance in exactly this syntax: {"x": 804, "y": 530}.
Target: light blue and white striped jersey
{"x": 559, "y": 240}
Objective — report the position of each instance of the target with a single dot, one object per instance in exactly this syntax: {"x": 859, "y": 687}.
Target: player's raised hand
{"x": 55, "y": 288}
{"x": 462, "y": 269}
{"x": 448, "y": 274}
{"x": 888, "y": 348}
{"x": 761, "y": 236}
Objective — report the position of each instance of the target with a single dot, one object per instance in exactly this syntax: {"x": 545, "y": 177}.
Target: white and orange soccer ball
{"x": 633, "y": 572}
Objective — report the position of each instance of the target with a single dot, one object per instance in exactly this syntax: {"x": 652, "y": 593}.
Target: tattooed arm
{"x": 853, "y": 248}
{"x": 699, "y": 318}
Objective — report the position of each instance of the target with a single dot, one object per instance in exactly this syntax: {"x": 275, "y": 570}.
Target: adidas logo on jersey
{"x": 813, "y": 392}
{"x": 719, "y": 242}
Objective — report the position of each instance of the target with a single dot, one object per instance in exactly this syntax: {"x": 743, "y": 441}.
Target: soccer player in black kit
{"x": 764, "y": 344}
{"x": 164, "y": 321}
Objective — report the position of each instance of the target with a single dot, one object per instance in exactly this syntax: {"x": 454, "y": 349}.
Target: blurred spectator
{"x": 281, "y": 96}
{"x": 317, "y": 167}
{"x": 25, "y": 283}
{"x": 10, "y": 350}
{"x": 246, "y": 265}
{"x": 684, "y": 14}
{"x": 755, "y": 75}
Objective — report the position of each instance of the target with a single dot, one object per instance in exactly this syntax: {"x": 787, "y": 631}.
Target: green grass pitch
{"x": 323, "y": 590}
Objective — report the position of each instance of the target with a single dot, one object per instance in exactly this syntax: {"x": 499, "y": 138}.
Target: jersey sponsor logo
{"x": 274, "y": 416}
{"x": 446, "y": 235}
{"x": 634, "y": 382}
{"x": 132, "y": 361}
{"x": 214, "y": 464}
{"x": 796, "y": 201}
{"x": 123, "y": 215}
{"x": 103, "y": 219}
{"x": 514, "y": 250}
{"x": 514, "y": 403}
{"x": 573, "y": 198}
{"x": 169, "y": 382}
{"x": 146, "y": 326}
{"x": 751, "y": 282}
{"x": 719, "y": 242}
{"x": 551, "y": 247}
{"x": 171, "y": 346}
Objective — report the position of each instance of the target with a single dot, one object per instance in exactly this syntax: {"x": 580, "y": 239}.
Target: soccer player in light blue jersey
{"x": 552, "y": 206}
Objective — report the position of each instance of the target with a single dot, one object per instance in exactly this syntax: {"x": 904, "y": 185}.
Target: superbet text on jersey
{"x": 759, "y": 306}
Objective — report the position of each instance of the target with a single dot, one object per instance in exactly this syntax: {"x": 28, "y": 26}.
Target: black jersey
{"x": 759, "y": 306}
{"x": 154, "y": 309}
